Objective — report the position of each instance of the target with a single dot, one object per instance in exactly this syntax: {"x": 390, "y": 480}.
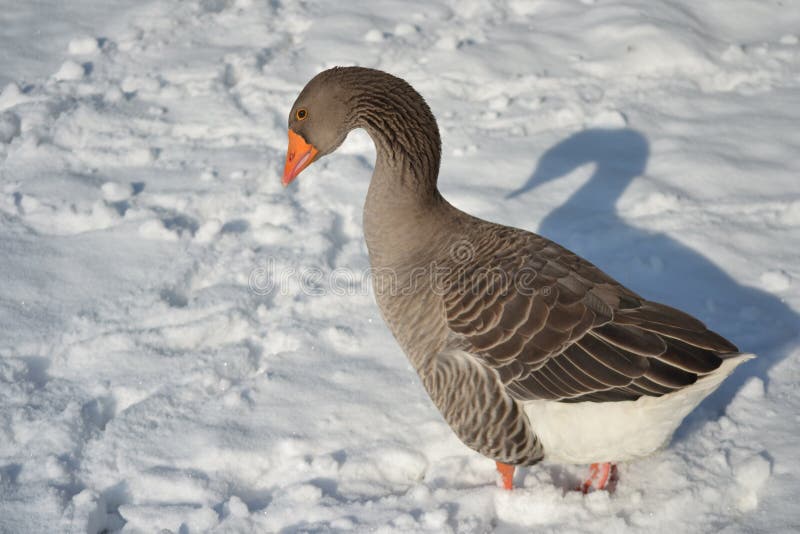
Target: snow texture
{"x": 188, "y": 346}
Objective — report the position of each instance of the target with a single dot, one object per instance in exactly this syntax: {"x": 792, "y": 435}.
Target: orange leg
{"x": 507, "y": 472}
{"x": 599, "y": 476}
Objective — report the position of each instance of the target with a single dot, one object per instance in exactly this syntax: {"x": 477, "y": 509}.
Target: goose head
{"x": 318, "y": 123}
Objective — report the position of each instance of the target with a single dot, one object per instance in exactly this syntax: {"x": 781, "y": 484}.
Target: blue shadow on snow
{"x": 655, "y": 265}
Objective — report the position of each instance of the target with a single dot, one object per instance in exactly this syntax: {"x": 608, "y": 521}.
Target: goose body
{"x": 527, "y": 350}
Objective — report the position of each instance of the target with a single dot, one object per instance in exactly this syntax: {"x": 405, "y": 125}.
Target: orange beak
{"x": 299, "y": 156}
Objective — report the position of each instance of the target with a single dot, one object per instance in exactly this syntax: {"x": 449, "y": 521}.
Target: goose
{"x": 527, "y": 350}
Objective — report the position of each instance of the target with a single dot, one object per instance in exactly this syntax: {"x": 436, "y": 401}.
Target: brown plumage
{"x": 497, "y": 320}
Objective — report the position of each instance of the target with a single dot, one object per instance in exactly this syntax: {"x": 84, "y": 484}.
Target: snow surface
{"x": 187, "y": 346}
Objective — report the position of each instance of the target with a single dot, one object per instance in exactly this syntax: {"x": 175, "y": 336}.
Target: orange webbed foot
{"x": 600, "y": 475}
{"x": 507, "y": 473}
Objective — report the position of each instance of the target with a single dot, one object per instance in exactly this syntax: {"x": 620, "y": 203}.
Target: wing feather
{"x": 572, "y": 333}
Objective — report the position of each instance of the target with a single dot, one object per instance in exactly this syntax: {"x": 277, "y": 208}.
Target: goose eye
{"x": 301, "y": 114}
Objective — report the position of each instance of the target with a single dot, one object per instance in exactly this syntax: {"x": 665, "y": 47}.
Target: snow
{"x": 84, "y": 45}
{"x": 69, "y": 70}
{"x": 188, "y": 346}
{"x": 9, "y": 126}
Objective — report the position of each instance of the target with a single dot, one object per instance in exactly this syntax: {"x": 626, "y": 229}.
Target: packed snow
{"x": 188, "y": 346}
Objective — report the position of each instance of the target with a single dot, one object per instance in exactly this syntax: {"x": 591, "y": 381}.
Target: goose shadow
{"x": 655, "y": 265}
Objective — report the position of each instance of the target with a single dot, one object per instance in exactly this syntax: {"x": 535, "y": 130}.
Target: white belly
{"x": 589, "y": 432}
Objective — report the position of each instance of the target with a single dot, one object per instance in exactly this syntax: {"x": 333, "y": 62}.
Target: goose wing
{"x": 556, "y": 327}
